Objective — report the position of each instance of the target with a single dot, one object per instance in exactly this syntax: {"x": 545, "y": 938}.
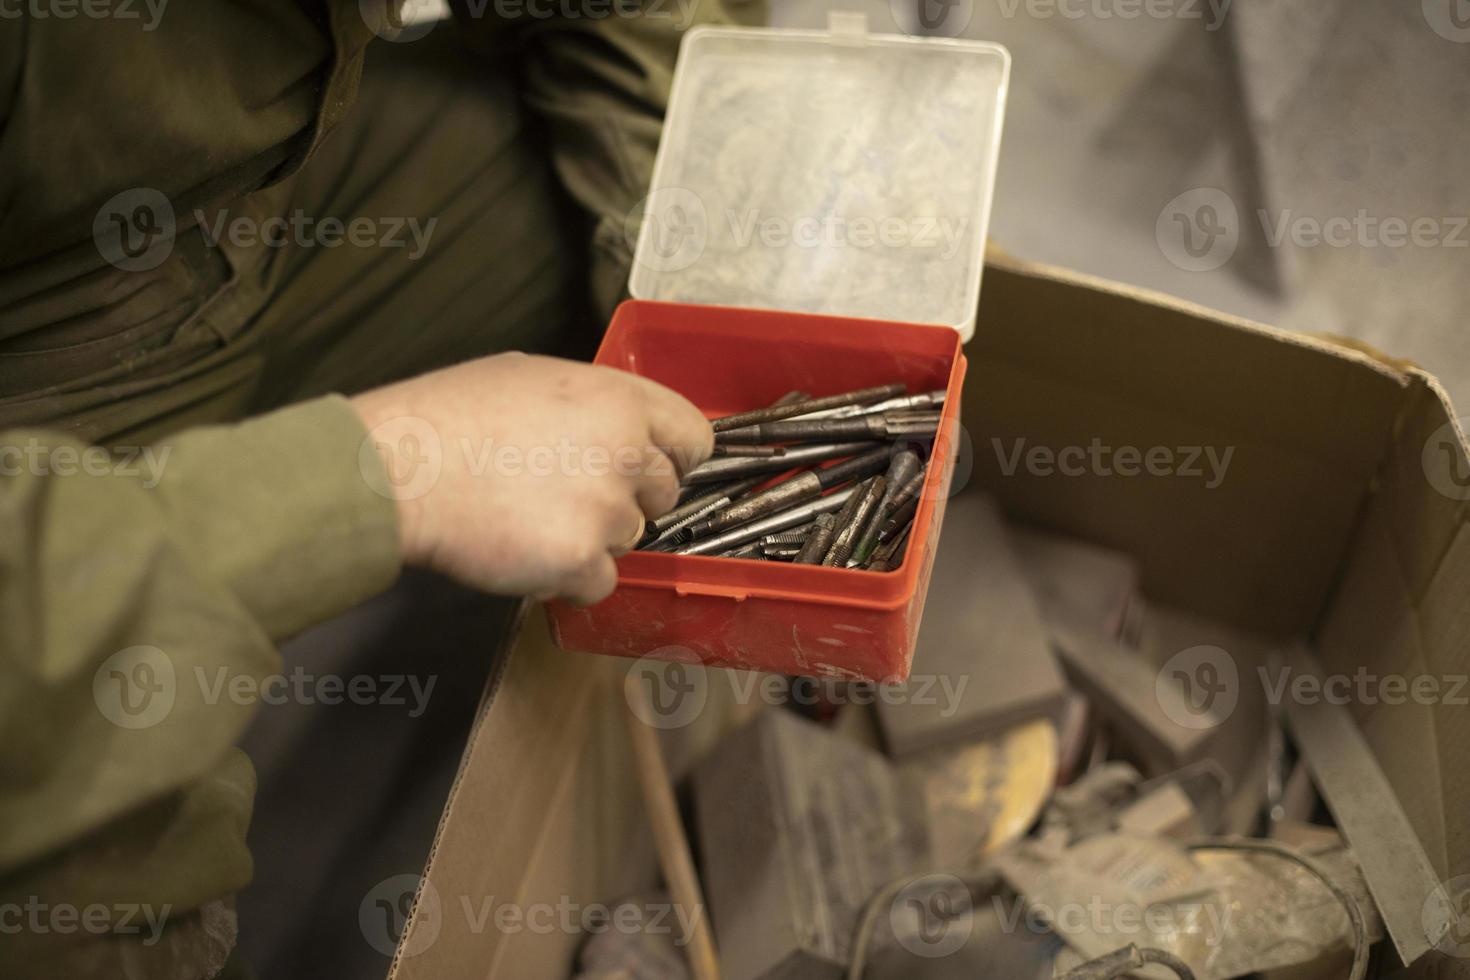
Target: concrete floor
{"x": 1294, "y": 111}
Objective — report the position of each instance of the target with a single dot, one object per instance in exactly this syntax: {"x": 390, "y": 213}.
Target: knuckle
{"x": 665, "y": 491}
{"x": 594, "y": 583}
{"x": 586, "y": 554}
{"x": 575, "y": 554}
{"x": 610, "y": 512}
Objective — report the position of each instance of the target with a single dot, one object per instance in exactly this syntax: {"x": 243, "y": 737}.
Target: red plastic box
{"x": 792, "y": 619}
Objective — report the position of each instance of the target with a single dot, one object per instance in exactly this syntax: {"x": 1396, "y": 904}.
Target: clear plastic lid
{"x": 835, "y": 172}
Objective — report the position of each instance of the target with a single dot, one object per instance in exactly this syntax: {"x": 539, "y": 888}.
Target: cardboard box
{"x": 1339, "y": 519}
{"x": 982, "y": 662}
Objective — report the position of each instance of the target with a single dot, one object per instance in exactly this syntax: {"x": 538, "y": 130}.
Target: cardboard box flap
{"x": 1264, "y": 444}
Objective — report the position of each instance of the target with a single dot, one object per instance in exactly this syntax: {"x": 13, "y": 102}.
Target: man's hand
{"x": 546, "y": 469}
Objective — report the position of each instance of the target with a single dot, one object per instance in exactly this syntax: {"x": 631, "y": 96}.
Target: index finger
{"x": 676, "y": 425}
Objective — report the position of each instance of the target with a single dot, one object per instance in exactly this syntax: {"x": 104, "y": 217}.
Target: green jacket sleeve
{"x": 600, "y": 82}
{"x": 142, "y": 599}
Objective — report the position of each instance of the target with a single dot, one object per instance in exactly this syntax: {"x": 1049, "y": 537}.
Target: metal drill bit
{"x": 886, "y": 426}
{"x": 790, "y": 398}
{"x": 771, "y": 413}
{"x": 890, "y": 555}
{"x": 796, "y": 536}
{"x": 752, "y": 552}
{"x": 928, "y": 400}
{"x": 900, "y": 543}
{"x": 820, "y": 539}
{"x": 716, "y": 470}
{"x": 749, "y": 452}
{"x": 770, "y": 525}
{"x": 905, "y": 465}
{"x": 788, "y": 493}
{"x": 843, "y": 543}
{"x": 723, "y": 496}
{"x": 899, "y": 519}
{"x": 780, "y": 552}
{"x": 666, "y": 541}
{"x": 689, "y": 491}
{"x": 910, "y": 489}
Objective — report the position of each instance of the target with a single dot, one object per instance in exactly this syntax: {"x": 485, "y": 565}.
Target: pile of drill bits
{"x": 829, "y": 481}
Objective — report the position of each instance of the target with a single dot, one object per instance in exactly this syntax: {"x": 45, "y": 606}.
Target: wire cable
{"x": 1348, "y": 902}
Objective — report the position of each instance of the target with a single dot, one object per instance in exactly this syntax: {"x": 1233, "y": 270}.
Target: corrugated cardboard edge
{"x": 1067, "y": 277}
{"x": 1067, "y": 359}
